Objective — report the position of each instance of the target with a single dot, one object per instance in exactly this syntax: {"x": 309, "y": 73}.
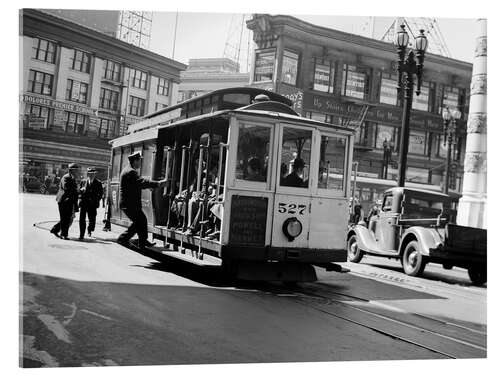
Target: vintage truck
{"x": 418, "y": 227}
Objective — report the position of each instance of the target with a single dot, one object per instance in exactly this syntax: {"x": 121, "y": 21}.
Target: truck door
{"x": 385, "y": 229}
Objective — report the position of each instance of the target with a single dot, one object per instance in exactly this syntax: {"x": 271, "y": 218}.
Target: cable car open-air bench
{"x": 269, "y": 229}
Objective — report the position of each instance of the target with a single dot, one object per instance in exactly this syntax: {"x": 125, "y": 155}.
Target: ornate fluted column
{"x": 472, "y": 205}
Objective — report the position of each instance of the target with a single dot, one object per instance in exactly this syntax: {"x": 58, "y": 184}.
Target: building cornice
{"x": 37, "y": 23}
{"x": 302, "y": 30}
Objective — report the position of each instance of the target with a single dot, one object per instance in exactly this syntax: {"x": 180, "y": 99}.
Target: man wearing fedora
{"x": 131, "y": 185}
{"x": 67, "y": 200}
{"x": 91, "y": 192}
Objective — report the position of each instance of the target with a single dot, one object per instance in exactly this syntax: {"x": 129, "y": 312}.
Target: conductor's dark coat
{"x": 68, "y": 191}
{"x": 131, "y": 185}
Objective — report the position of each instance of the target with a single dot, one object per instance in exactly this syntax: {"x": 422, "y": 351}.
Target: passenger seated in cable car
{"x": 294, "y": 179}
{"x": 254, "y": 170}
{"x": 213, "y": 211}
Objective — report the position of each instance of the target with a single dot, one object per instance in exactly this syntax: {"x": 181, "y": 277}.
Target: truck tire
{"x": 413, "y": 262}
{"x": 354, "y": 253}
{"x": 477, "y": 275}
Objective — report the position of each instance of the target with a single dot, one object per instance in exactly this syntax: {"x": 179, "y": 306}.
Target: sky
{"x": 202, "y": 35}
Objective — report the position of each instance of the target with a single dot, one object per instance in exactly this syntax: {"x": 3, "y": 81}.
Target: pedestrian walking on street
{"x": 91, "y": 193}
{"x": 131, "y": 185}
{"x": 67, "y": 200}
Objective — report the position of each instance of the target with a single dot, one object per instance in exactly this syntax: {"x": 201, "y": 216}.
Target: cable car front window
{"x": 253, "y": 152}
{"x": 295, "y": 157}
{"x": 332, "y": 163}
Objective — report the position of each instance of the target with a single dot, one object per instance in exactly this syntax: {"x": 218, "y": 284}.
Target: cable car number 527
{"x": 291, "y": 208}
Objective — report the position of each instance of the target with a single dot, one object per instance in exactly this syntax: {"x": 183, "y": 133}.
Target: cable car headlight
{"x": 292, "y": 228}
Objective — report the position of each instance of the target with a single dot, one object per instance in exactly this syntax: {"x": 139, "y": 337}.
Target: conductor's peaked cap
{"x": 134, "y": 156}
{"x": 73, "y": 166}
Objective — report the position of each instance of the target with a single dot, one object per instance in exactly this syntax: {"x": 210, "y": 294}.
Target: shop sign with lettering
{"x": 294, "y": 94}
{"x": 376, "y": 114}
{"x": 56, "y": 104}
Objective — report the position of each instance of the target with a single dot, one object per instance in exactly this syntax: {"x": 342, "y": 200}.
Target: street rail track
{"x": 418, "y": 335}
{"x": 354, "y": 310}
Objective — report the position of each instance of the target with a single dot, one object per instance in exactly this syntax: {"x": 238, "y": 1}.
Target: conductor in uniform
{"x": 131, "y": 185}
{"x": 67, "y": 200}
{"x": 91, "y": 192}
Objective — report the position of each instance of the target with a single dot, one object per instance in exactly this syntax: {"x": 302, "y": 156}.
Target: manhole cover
{"x": 68, "y": 247}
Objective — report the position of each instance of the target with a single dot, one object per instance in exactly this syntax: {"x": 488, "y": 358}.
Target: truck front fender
{"x": 428, "y": 238}
{"x": 365, "y": 238}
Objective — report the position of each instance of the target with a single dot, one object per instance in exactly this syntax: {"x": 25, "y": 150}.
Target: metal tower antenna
{"x": 237, "y": 37}
{"x": 437, "y": 43}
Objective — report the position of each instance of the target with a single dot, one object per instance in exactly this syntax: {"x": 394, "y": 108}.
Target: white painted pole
{"x": 472, "y": 205}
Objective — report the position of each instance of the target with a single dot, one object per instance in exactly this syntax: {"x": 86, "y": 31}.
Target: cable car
{"x": 252, "y": 186}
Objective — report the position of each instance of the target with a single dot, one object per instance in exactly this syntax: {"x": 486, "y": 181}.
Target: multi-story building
{"x": 342, "y": 78}
{"x": 209, "y": 74}
{"x": 80, "y": 88}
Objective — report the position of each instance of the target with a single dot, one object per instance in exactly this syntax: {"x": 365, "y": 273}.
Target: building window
{"x": 290, "y": 67}
{"x": 112, "y": 71}
{"x": 38, "y": 116}
{"x": 136, "y": 106}
{"x": 40, "y": 83}
{"x": 385, "y": 134}
{"x": 389, "y": 89}
{"x": 76, "y": 91}
{"x": 106, "y": 128}
{"x": 324, "y": 72}
{"x": 159, "y": 106}
{"x": 163, "y": 86}
{"x": 354, "y": 82}
{"x": 417, "y": 142}
{"x": 421, "y": 102}
{"x": 365, "y": 134}
{"x": 108, "y": 99}
{"x": 44, "y": 50}
{"x": 138, "y": 78}
{"x": 419, "y": 175}
{"x": 264, "y": 66}
{"x": 75, "y": 122}
{"x": 80, "y": 61}
{"x": 451, "y": 98}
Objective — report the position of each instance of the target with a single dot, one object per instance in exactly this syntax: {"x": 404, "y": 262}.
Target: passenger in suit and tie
{"x": 91, "y": 193}
{"x": 67, "y": 200}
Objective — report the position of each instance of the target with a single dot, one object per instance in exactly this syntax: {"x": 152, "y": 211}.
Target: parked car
{"x": 32, "y": 184}
{"x": 418, "y": 227}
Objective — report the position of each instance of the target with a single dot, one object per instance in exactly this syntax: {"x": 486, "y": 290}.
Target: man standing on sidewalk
{"x": 131, "y": 185}
{"x": 90, "y": 195}
{"x": 67, "y": 200}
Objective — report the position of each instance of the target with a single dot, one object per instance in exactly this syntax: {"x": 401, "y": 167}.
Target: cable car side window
{"x": 332, "y": 163}
{"x": 253, "y": 152}
{"x": 295, "y": 157}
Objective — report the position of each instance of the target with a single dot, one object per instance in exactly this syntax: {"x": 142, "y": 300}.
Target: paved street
{"x": 96, "y": 303}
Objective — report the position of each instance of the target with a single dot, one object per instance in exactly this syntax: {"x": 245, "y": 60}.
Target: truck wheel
{"x": 477, "y": 275}
{"x": 413, "y": 262}
{"x": 354, "y": 253}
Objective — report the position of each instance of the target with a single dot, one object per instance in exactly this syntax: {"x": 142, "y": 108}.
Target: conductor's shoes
{"x": 55, "y": 233}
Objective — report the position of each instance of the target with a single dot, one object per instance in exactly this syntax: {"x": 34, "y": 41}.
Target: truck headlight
{"x": 292, "y": 228}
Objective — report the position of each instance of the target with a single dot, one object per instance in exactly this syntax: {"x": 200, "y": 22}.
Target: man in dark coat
{"x": 90, "y": 195}
{"x": 67, "y": 200}
{"x": 131, "y": 185}
{"x": 294, "y": 179}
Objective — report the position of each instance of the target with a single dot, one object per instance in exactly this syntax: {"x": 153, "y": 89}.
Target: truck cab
{"x": 418, "y": 227}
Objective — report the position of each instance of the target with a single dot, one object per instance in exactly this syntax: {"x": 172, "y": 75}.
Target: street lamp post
{"x": 449, "y": 128}
{"x": 412, "y": 65}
